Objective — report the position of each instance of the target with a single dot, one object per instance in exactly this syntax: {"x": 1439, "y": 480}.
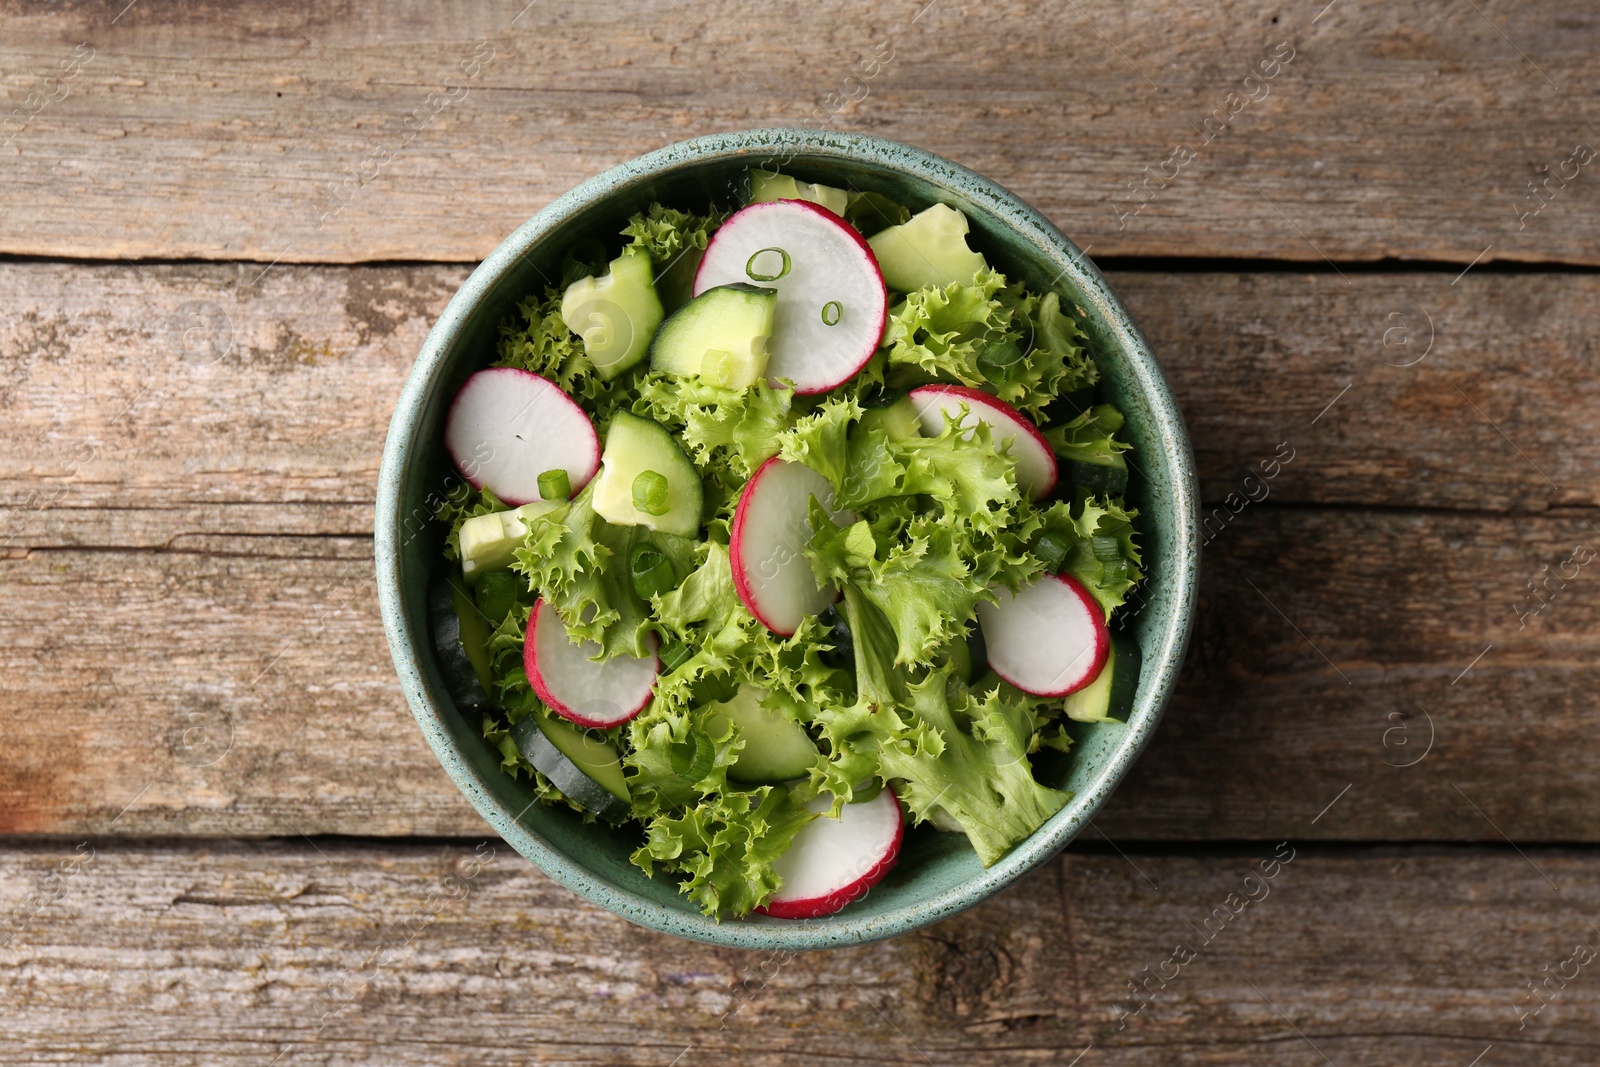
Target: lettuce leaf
{"x": 666, "y": 232}
{"x": 923, "y": 586}
{"x": 1105, "y": 554}
{"x": 726, "y": 845}
{"x": 579, "y": 563}
{"x": 979, "y": 777}
{"x": 937, "y": 334}
{"x": 736, "y": 427}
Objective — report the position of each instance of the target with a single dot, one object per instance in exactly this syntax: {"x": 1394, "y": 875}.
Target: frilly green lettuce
{"x": 579, "y": 563}
{"x": 937, "y": 334}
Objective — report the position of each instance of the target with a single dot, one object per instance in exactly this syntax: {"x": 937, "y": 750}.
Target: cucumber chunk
{"x": 616, "y": 314}
{"x": 461, "y": 640}
{"x": 489, "y": 542}
{"x": 635, "y": 446}
{"x": 931, "y": 249}
{"x": 720, "y": 336}
{"x": 1109, "y": 698}
{"x": 765, "y": 186}
{"x": 776, "y": 748}
{"x": 584, "y": 768}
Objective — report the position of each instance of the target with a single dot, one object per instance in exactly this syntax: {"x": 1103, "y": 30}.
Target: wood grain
{"x": 461, "y": 953}
{"x": 234, "y": 686}
{"x": 268, "y": 131}
{"x": 145, "y": 405}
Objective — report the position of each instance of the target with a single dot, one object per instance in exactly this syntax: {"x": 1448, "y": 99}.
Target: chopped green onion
{"x": 652, "y": 571}
{"x": 650, "y": 493}
{"x": 692, "y": 757}
{"x": 836, "y": 308}
{"x": 1000, "y": 362}
{"x": 1106, "y": 549}
{"x": 673, "y": 655}
{"x": 756, "y": 276}
{"x": 1052, "y": 550}
{"x": 554, "y": 485}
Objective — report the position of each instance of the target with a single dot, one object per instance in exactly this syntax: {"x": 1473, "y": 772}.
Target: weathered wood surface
{"x": 191, "y": 625}
{"x": 461, "y": 953}
{"x": 147, "y": 404}
{"x": 268, "y": 130}
{"x": 241, "y": 686}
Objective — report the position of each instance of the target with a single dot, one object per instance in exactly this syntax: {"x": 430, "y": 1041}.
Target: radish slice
{"x": 770, "y": 526}
{"x": 832, "y": 303}
{"x": 578, "y": 688}
{"x": 1050, "y": 639}
{"x": 507, "y": 426}
{"x": 1036, "y": 463}
{"x": 833, "y": 862}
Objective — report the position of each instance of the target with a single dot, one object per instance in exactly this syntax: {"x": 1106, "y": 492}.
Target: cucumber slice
{"x": 634, "y": 446}
{"x": 1109, "y": 698}
{"x": 931, "y": 249}
{"x": 776, "y": 748}
{"x": 765, "y": 186}
{"x": 615, "y": 314}
{"x": 720, "y": 336}
{"x": 489, "y": 542}
{"x": 899, "y": 419}
{"x": 584, "y": 768}
{"x": 461, "y": 640}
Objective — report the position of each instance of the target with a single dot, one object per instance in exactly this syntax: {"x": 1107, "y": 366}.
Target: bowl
{"x": 938, "y": 873}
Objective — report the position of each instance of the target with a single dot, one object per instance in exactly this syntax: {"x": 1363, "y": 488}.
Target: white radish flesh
{"x": 576, "y": 687}
{"x": 1036, "y": 463}
{"x": 833, "y": 862}
{"x": 1050, "y": 639}
{"x": 507, "y": 426}
{"x": 832, "y": 303}
{"x": 771, "y": 525}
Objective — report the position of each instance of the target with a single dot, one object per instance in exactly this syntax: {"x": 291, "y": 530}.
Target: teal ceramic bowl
{"x": 938, "y": 874}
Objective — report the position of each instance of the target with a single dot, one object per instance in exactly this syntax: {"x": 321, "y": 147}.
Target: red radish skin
{"x": 861, "y": 871}
{"x": 578, "y": 689}
{"x": 1036, "y": 461}
{"x": 781, "y": 608}
{"x": 507, "y": 426}
{"x": 802, "y": 349}
{"x": 1039, "y": 613}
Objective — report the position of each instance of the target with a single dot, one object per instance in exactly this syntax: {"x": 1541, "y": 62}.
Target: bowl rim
{"x": 1164, "y": 648}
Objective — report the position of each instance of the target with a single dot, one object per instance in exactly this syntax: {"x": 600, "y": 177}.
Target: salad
{"x": 780, "y": 529}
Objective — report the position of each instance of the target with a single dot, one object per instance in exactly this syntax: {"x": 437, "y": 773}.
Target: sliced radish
{"x": 833, "y": 862}
{"x": 1036, "y": 463}
{"x": 770, "y": 526}
{"x": 576, "y": 687}
{"x": 832, "y": 303}
{"x": 1050, "y": 639}
{"x": 507, "y": 426}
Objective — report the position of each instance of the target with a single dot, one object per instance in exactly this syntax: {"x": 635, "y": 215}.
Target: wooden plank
{"x": 241, "y": 686}
{"x": 271, "y": 130}
{"x": 462, "y": 953}
{"x": 145, "y": 405}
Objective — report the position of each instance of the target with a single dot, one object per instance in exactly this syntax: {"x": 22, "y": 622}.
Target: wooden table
{"x": 225, "y": 230}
